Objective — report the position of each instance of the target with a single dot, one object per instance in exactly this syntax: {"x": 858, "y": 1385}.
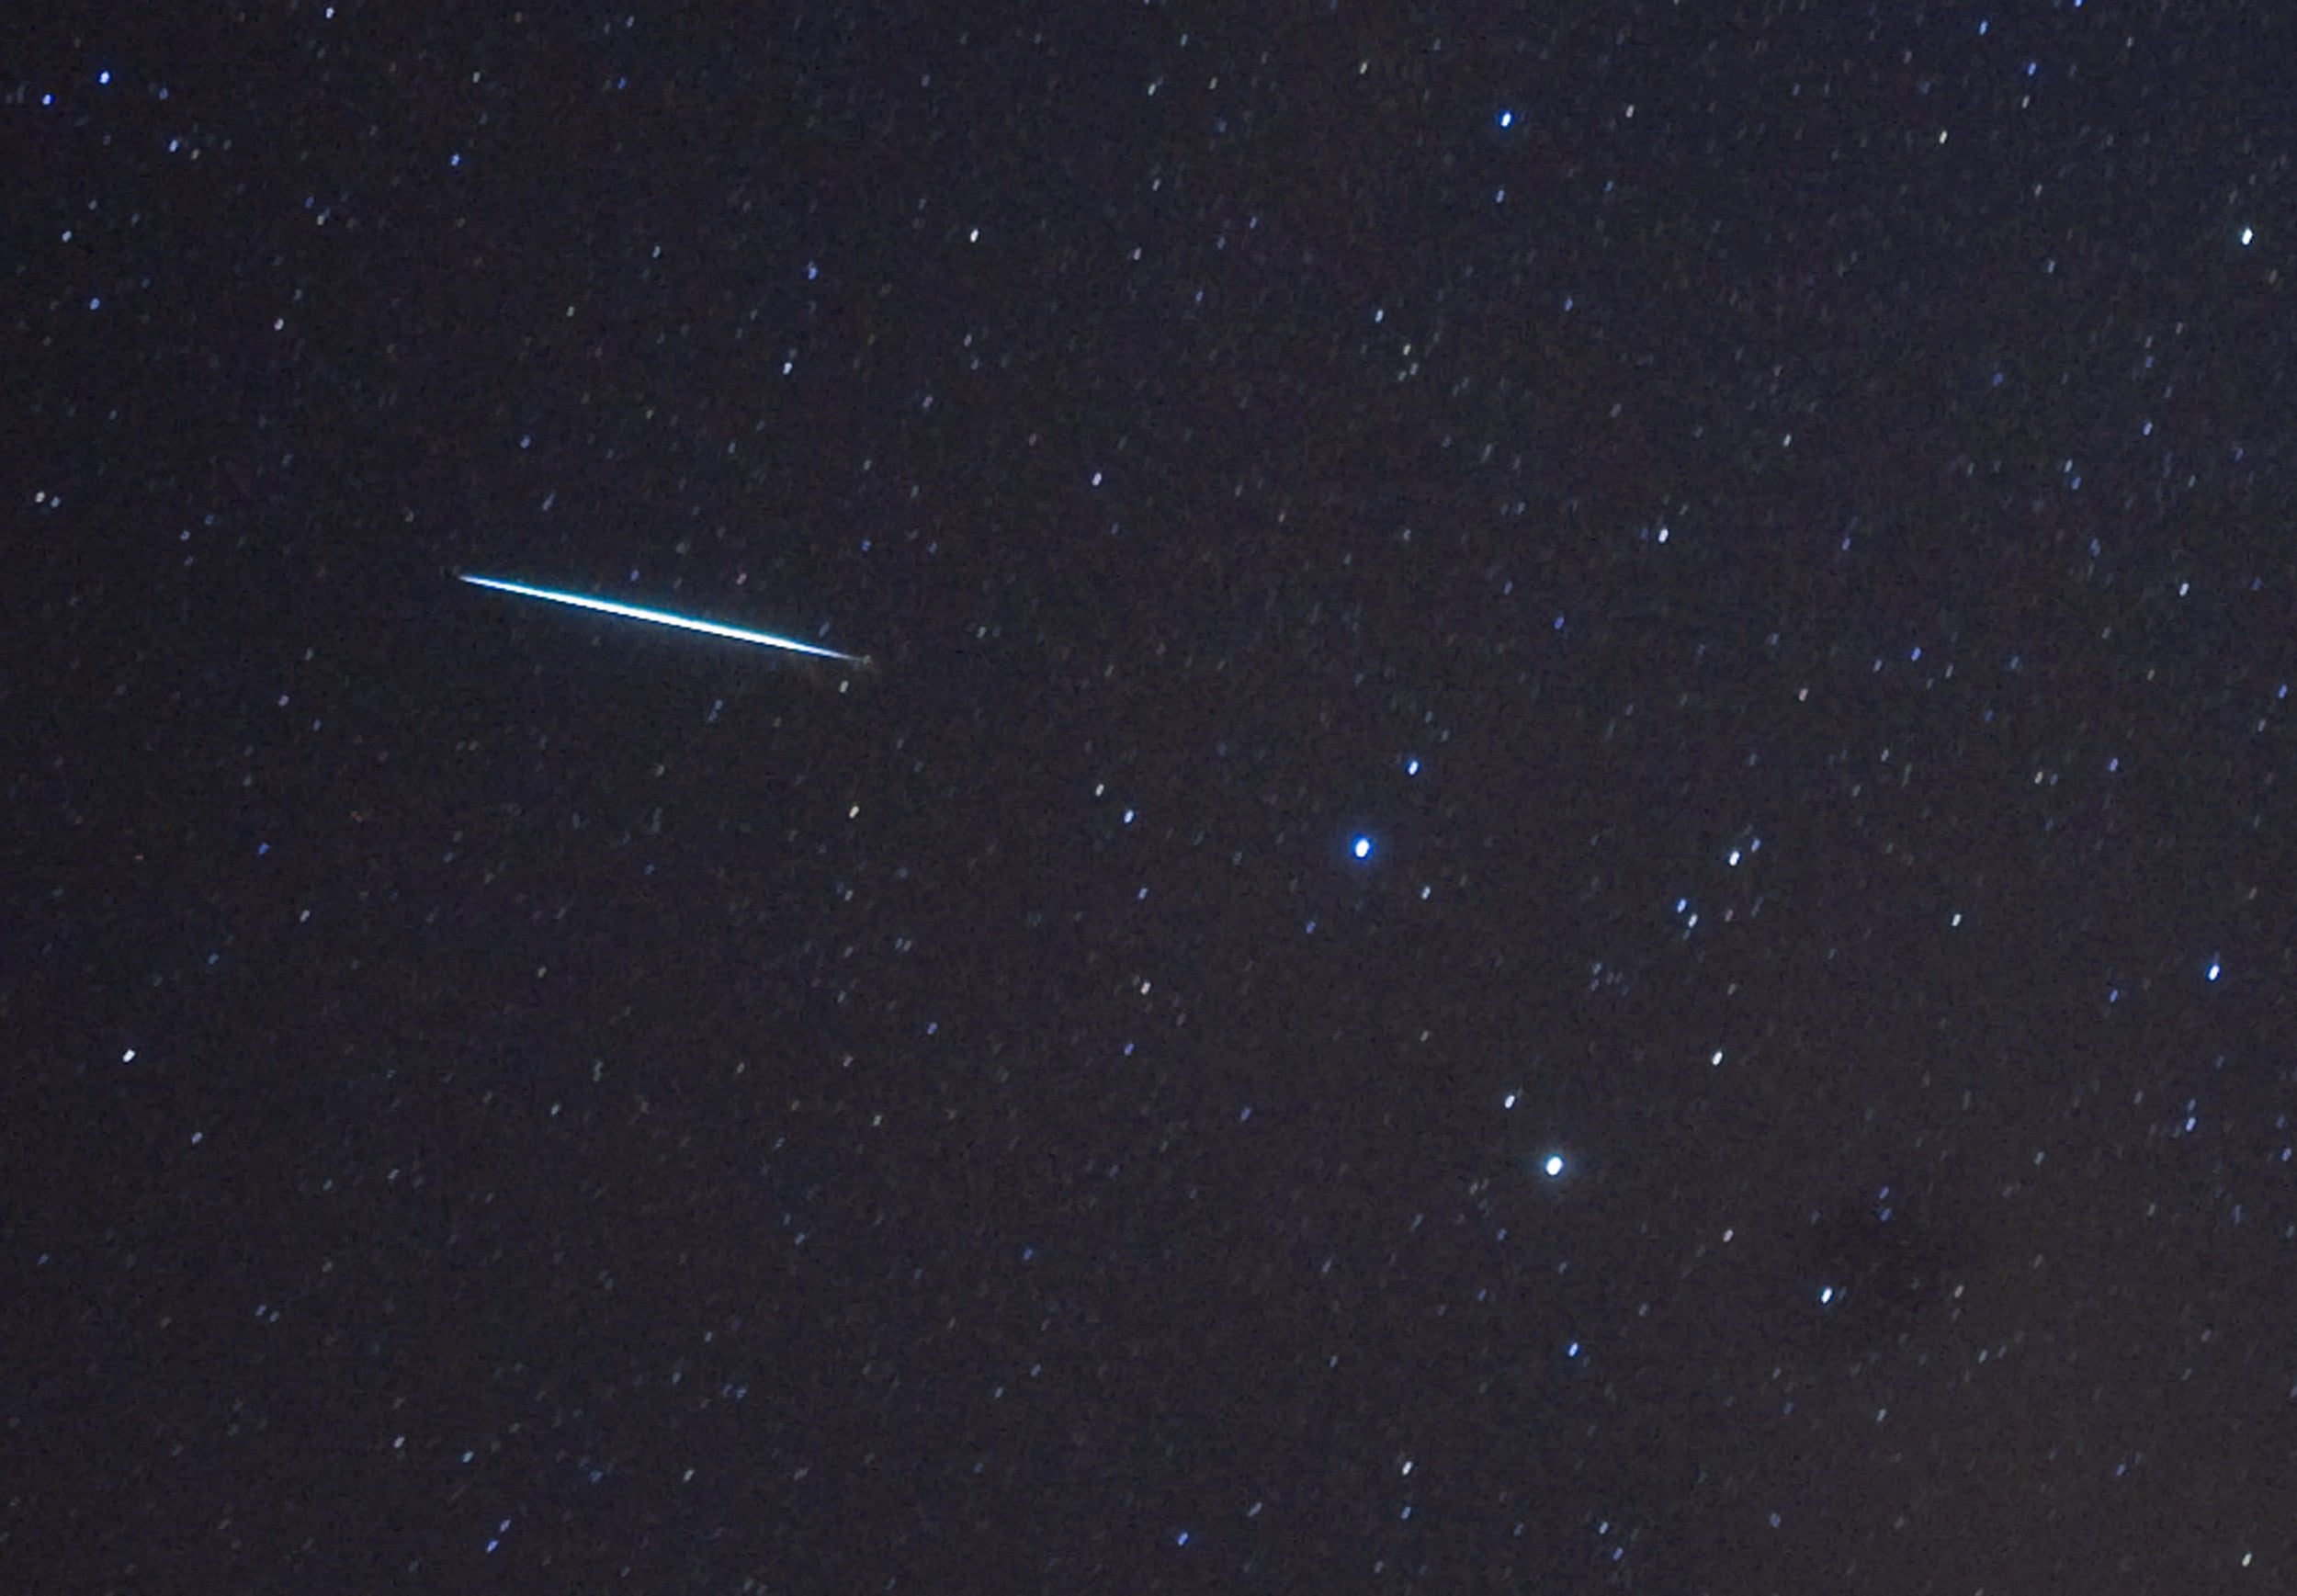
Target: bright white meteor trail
{"x": 664, "y": 618}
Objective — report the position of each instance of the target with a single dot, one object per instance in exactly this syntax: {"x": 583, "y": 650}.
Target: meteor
{"x": 664, "y": 618}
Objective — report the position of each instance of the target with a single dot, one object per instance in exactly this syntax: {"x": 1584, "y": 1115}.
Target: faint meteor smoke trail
{"x": 664, "y": 618}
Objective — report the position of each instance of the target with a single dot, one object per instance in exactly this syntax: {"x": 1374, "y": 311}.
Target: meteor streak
{"x": 664, "y": 618}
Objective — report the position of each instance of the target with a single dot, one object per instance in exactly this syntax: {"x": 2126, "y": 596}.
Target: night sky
{"x": 1564, "y": 863}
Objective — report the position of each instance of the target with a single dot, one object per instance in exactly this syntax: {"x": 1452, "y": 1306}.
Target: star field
{"x": 1563, "y": 862}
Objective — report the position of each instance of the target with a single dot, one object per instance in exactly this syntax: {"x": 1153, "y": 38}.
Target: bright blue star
{"x": 1361, "y": 847}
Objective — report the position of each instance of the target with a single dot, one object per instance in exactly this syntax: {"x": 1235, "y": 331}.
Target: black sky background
{"x": 1775, "y": 525}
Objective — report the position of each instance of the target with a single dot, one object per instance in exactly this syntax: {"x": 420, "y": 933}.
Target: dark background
{"x": 1776, "y": 525}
